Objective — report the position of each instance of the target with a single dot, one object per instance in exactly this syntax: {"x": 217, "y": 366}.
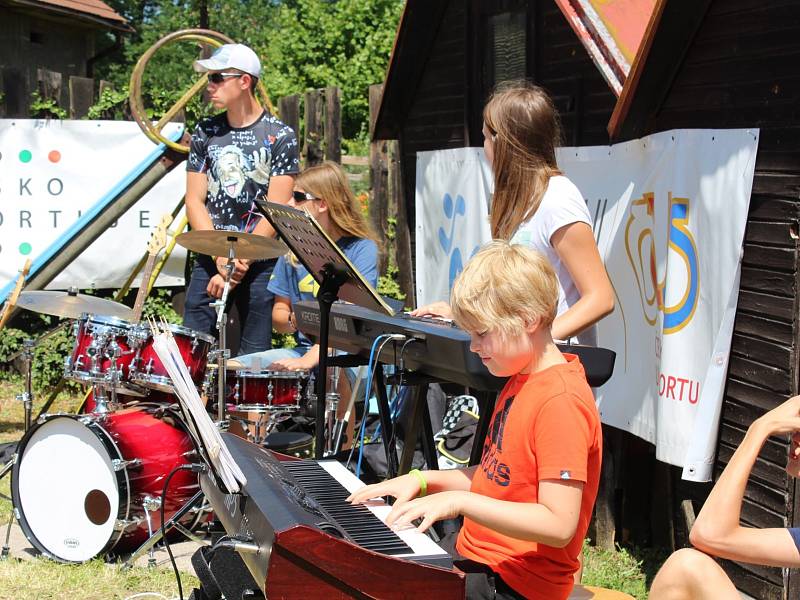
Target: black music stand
{"x": 336, "y": 276}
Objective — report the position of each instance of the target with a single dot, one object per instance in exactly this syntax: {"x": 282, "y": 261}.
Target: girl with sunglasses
{"x": 324, "y": 192}
{"x": 534, "y": 204}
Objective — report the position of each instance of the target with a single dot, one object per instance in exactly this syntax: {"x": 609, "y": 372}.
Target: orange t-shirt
{"x": 545, "y": 426}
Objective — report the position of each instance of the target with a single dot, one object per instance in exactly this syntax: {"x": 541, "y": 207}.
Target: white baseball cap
{"x": 231, "y": 56}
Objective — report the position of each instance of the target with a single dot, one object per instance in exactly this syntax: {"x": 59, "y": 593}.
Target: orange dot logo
{"x": 54, "y": 156}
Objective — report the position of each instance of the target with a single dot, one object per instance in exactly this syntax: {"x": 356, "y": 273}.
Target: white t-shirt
{"x": 562, "y": 204}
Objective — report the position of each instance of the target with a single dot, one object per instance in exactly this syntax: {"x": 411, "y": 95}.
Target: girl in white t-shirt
{"x": 536, "y": 205}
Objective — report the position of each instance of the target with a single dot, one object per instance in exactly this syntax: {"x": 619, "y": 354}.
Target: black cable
{"x": 197, "y": 468}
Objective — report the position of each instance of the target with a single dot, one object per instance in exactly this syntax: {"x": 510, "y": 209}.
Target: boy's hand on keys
{"x": 402, "y": 489}
{"x": 430, "y": 509}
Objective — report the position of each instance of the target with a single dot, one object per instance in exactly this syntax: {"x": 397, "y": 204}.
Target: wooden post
{"x": 289, "y": 107}
{"x": 378, "y": 176}
{"x": 333, "y": 124}
{"x": 48, "y": 83}
{"x": 81, "y": 96}
{"x": 402, "y": 241}
{"x": 312, "y": 147}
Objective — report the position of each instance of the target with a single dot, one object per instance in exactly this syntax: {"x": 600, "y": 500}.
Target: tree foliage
{"x": 303, "y": 44}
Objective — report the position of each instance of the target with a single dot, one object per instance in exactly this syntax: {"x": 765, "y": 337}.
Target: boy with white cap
{"x": 235, "y": 157}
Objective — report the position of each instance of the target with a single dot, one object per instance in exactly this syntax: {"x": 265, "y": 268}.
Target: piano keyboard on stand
{"x": 360, "y": 525}
{"x": 312, "y": 543}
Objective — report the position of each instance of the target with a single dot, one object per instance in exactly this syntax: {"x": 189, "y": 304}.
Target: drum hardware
{"x": 150, "y": 504}
{"x": 233, "y": 244}
{"x": 27, "y": 403}
{"x": 331, "y": 409}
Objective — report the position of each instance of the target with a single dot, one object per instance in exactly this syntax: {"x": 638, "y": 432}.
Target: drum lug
{"x": 123, "y": 524}
{"x": 151, "y": 503}
{"x": 118, "y": 464}
{"x": 195, "y": 343}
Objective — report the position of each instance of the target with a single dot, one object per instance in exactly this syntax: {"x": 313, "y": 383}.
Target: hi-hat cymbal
{"x": 245, "y": 245}
{"x": 71, "y": 304}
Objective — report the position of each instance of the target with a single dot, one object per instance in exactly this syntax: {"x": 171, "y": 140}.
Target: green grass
{"x": 39, "y": 579}
{"x": 95, "y": 580}
{"x": 629, "y": 570}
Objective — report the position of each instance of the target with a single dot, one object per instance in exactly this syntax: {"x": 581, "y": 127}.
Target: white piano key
{"x": 420, "y": 543}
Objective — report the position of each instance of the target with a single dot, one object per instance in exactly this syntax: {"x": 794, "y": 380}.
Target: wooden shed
{"x": 44, "y": 43}
{"x": 701, "y": 64}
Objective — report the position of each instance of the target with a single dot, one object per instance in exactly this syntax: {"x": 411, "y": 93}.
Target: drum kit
{"x": 90, "y": 484}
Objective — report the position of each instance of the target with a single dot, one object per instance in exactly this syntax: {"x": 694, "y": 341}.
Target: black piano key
{"x": 363, "y": 527}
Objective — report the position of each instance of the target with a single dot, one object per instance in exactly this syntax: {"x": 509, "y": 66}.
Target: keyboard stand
{"x": 420, "y": 418}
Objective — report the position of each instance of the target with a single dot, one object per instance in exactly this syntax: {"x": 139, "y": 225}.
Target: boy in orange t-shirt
{"x": 527, "y": 506}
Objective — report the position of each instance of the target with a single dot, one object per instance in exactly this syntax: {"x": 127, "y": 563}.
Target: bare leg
{"x": 688, "y": 574}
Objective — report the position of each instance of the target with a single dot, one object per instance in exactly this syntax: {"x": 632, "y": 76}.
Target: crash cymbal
{"x": 245, "y": 245}
{"x": 71, "y": 304}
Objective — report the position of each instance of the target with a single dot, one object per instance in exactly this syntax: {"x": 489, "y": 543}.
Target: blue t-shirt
{"x": 296, "y": 283}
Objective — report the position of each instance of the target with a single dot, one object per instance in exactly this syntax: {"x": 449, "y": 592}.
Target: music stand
{"x": 337, "y": 279}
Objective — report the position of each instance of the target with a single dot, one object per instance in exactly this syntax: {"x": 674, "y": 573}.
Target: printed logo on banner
{"x": 53, "y": 185}
{"x": 641, "y": 250}
{"x": 446, "y": 241}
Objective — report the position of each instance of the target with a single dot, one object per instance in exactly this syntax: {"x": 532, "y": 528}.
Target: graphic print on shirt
{"x": 238, "y": 164}
{"x": 236, "y": 180}
{"x": 491, "y": 460}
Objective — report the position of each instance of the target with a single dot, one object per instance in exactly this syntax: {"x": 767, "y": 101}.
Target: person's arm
{"x": 717, "y": 529}
{"x": 552, "y": 521}
{"x": 281, "y": 315}
{"x": 196, "y": 211}
{"x": 405, "y": 487}
{"x": 577, "y": 249}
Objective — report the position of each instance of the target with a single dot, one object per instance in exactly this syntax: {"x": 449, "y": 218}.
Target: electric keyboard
{"x": 312, "y": 543}
{"x": 439, "y": 348}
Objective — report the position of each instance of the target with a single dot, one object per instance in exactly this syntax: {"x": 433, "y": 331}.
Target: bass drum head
{"x": 66, "y": 490}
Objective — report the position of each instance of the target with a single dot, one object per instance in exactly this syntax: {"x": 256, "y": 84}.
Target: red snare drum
{"x": 85, "y": 486}
{"x": 97, "y": 340}
{"x": 275, "y": 390}
{"x": 147, "y": 369}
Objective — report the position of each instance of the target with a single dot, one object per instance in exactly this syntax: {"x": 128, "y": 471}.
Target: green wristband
{"x": 423, "y": 483}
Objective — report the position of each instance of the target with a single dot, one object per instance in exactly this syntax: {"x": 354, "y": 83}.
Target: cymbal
{"x": 71, "y": 305}
{"x": 245, "y": 245}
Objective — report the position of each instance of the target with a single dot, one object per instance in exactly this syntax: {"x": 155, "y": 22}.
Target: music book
{"x": 211, "y": 445}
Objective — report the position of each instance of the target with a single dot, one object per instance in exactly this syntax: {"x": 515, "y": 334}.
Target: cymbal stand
{"x": 223, "y": 353}
{"x": 27, "y": 403}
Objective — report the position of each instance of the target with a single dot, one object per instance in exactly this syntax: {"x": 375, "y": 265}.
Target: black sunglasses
{"x": 303, "y": 196}
{"x": 218, "y": 78}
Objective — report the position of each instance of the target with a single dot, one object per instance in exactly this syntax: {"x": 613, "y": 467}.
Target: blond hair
{"x": 504, "y": 287}
{"x": 526, "y": 131}
{"x": 329, "y": 182}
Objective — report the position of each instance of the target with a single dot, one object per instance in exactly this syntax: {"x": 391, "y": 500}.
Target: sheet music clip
{"x": 336, "y": 276}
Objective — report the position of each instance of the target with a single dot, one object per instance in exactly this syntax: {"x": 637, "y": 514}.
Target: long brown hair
{"x": 526, "y": 129}
{"x": 329, "y": 182}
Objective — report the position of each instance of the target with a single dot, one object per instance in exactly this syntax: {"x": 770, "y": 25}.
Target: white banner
{"x": 53, "y": 173}
{"x": 670, "y": 211}
{"x": 452, "y": 199}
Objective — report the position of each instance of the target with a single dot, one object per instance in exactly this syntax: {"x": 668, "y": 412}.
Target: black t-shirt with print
{"x": 238, "y": 162}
